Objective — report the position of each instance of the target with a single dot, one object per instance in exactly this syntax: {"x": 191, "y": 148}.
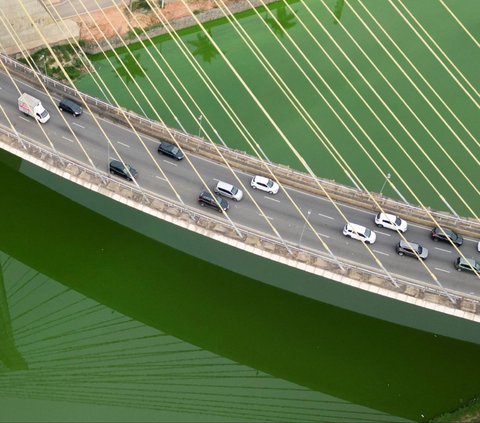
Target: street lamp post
{"x": 304, "y": 226}
{"x": 200, "y": 125}
{"x": 385, "y": 182}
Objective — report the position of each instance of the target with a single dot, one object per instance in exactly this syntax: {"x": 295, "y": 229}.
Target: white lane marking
{"x": 441, "y": 270}
{"x": 383, "y": 233}
{"x": 324, "y": 215}
{"x": 323, "y": 235}
{"x": 77, "y": 124}
{"x": 24, "y": 118}
{"x": 68, "y": 139}
{"x": 381, "y": 252}
{"x": 272, "y": 199}
{"x": 215, "y": 179}
{"x": 268, "y": 217}
{"x": 441, "y": 249}
{"x": 160, "y": 177}
{"x": 171, "y": 163}
{"x": 121, "y": 143}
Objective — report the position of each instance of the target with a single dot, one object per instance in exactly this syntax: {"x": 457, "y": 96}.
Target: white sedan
{"x": 264, "y": 184}
{"x": 390, "y": 221}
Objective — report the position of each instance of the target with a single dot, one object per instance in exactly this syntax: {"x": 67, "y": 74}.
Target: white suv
{"x": 390, "y": 221}
{"x": 359, "y": 232}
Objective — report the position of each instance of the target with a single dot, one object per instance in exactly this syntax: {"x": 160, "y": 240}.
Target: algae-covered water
{"x": 422, "y": 127}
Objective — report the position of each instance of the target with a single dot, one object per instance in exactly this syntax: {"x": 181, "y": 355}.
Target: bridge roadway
{"x": 324, "y": 218}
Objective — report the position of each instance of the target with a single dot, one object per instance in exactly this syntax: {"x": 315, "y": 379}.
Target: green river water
{"x": 100, "y": 323}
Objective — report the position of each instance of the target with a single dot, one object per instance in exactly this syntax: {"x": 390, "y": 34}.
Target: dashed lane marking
{"x": 441, "y": 249}
{"x": 68, "y": 139}
{"x": 323, "y": 235}
{"x": 441, "y": 270}
{"x": 160, "y": 177}
{"x": 381, "y": 252}
{"x": 121, "y": 143}
{"x": 268, "y": 217}
{"x": 170, "y": 163}
{"x": 272, "y": 199}
{"x": 77, "y": 124}
{"x": 383, "y": 233}
{"x": 24, "y": 118}
{"x": 326, "y": 216}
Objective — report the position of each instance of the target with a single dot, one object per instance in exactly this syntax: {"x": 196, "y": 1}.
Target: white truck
{"x": 32, "y": 106}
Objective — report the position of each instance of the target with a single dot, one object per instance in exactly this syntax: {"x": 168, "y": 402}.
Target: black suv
{"x": 437, "y": 235}
{"x": 70, "y": 106}
{"x": 116, "y": 167}
{"x": 410, "y": 248}
{"x": 206, "y": 199}
{"x": 170, "y": 150}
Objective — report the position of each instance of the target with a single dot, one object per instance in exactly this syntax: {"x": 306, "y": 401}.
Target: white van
{"x": 359, "y": 232}
{"x": 228, "y": 190}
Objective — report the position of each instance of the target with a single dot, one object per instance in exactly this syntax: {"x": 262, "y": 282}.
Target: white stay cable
{"x": 459, "y": 23}
{"x": 425, "y": 81}
{"x": 384, "y": 126}
{"x": 436, "y": 56}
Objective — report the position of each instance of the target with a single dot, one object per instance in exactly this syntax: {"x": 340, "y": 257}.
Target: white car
{"x": 359, "y": 232}
{"x": 264, "y": 184}
{"x": 390, "y": 221}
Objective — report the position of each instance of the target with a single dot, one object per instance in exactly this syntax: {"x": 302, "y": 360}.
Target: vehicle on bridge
{"x": 446, "y": 235}
{"x": 170, "y": 150}
{"x": 390, "y": 221}
{"x": 469, "y": 265}
{"x": 228, "y": 190}
{"x": 217, "y": 203}
{"x": 411, "y": 249}
{"x": 70, "y": 106}
{"x": 264, "y": 184}
{"x": 32, "y": 106}
{"x": 126, "y": 171}
{"x": 352, "y": 230}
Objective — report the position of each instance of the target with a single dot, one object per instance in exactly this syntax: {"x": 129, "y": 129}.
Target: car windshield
{"x": 174, "y": 150}
{"x": 368, "y": 232}
{"x": 398, "y": 221}
{"x": 270, "y": 183}
{"x": 234, "y": 190}
{"x": 44, "y": 114}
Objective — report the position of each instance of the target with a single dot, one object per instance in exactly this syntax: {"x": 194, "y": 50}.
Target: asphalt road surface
{"x": 279, "y": 210}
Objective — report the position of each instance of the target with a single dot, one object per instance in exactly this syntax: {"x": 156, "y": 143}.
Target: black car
{"x": 410, "y": 248}
{"x": 170, "y": 150}
{"x": 438, "y": 235}
{"x": 70, "y": 106}
{"x": 206, "y": 199}
{"x": 117, "y": 168}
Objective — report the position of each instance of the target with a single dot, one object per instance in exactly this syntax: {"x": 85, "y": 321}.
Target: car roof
{"x": 355, "y": 227}
{"x": 406, "y": 244}
{"x": 261, "y": 179}
{"x": 166, "y": 144}
{"x": 388, "y": 216}
{"x": 225, "y": 185}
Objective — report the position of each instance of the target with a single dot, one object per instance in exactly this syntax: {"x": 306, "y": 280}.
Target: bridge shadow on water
{"x": 385, "y": 367}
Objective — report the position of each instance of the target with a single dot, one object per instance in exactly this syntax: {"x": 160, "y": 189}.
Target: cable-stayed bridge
{"x": 300, "y": 228}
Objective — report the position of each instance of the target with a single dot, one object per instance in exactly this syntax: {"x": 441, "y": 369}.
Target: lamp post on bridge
{"x": 200, "y": 124}
{"x": 387, "y": 177}
{"x": 304, "y": 227}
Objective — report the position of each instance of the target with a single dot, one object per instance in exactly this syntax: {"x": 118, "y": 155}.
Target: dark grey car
{"x": 70, "y": 106}
{"x": 170, "y": 150}
{"x": 469, "y": 264}
{"x": 206, "y": 199}
{"x": 410, "y": 248}
{"x": 446, "y": 235}
{"x": 116, "y": 167}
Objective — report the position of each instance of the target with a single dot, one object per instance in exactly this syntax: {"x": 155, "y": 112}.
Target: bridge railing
{"x": 242, "y": 161}
{"x": 135, "y": 196}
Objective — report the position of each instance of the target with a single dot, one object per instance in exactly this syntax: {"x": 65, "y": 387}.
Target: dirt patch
{"x": 106, "y": 22}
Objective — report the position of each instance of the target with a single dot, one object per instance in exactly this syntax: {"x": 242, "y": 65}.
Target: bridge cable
{"x": 459, "y": 23}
